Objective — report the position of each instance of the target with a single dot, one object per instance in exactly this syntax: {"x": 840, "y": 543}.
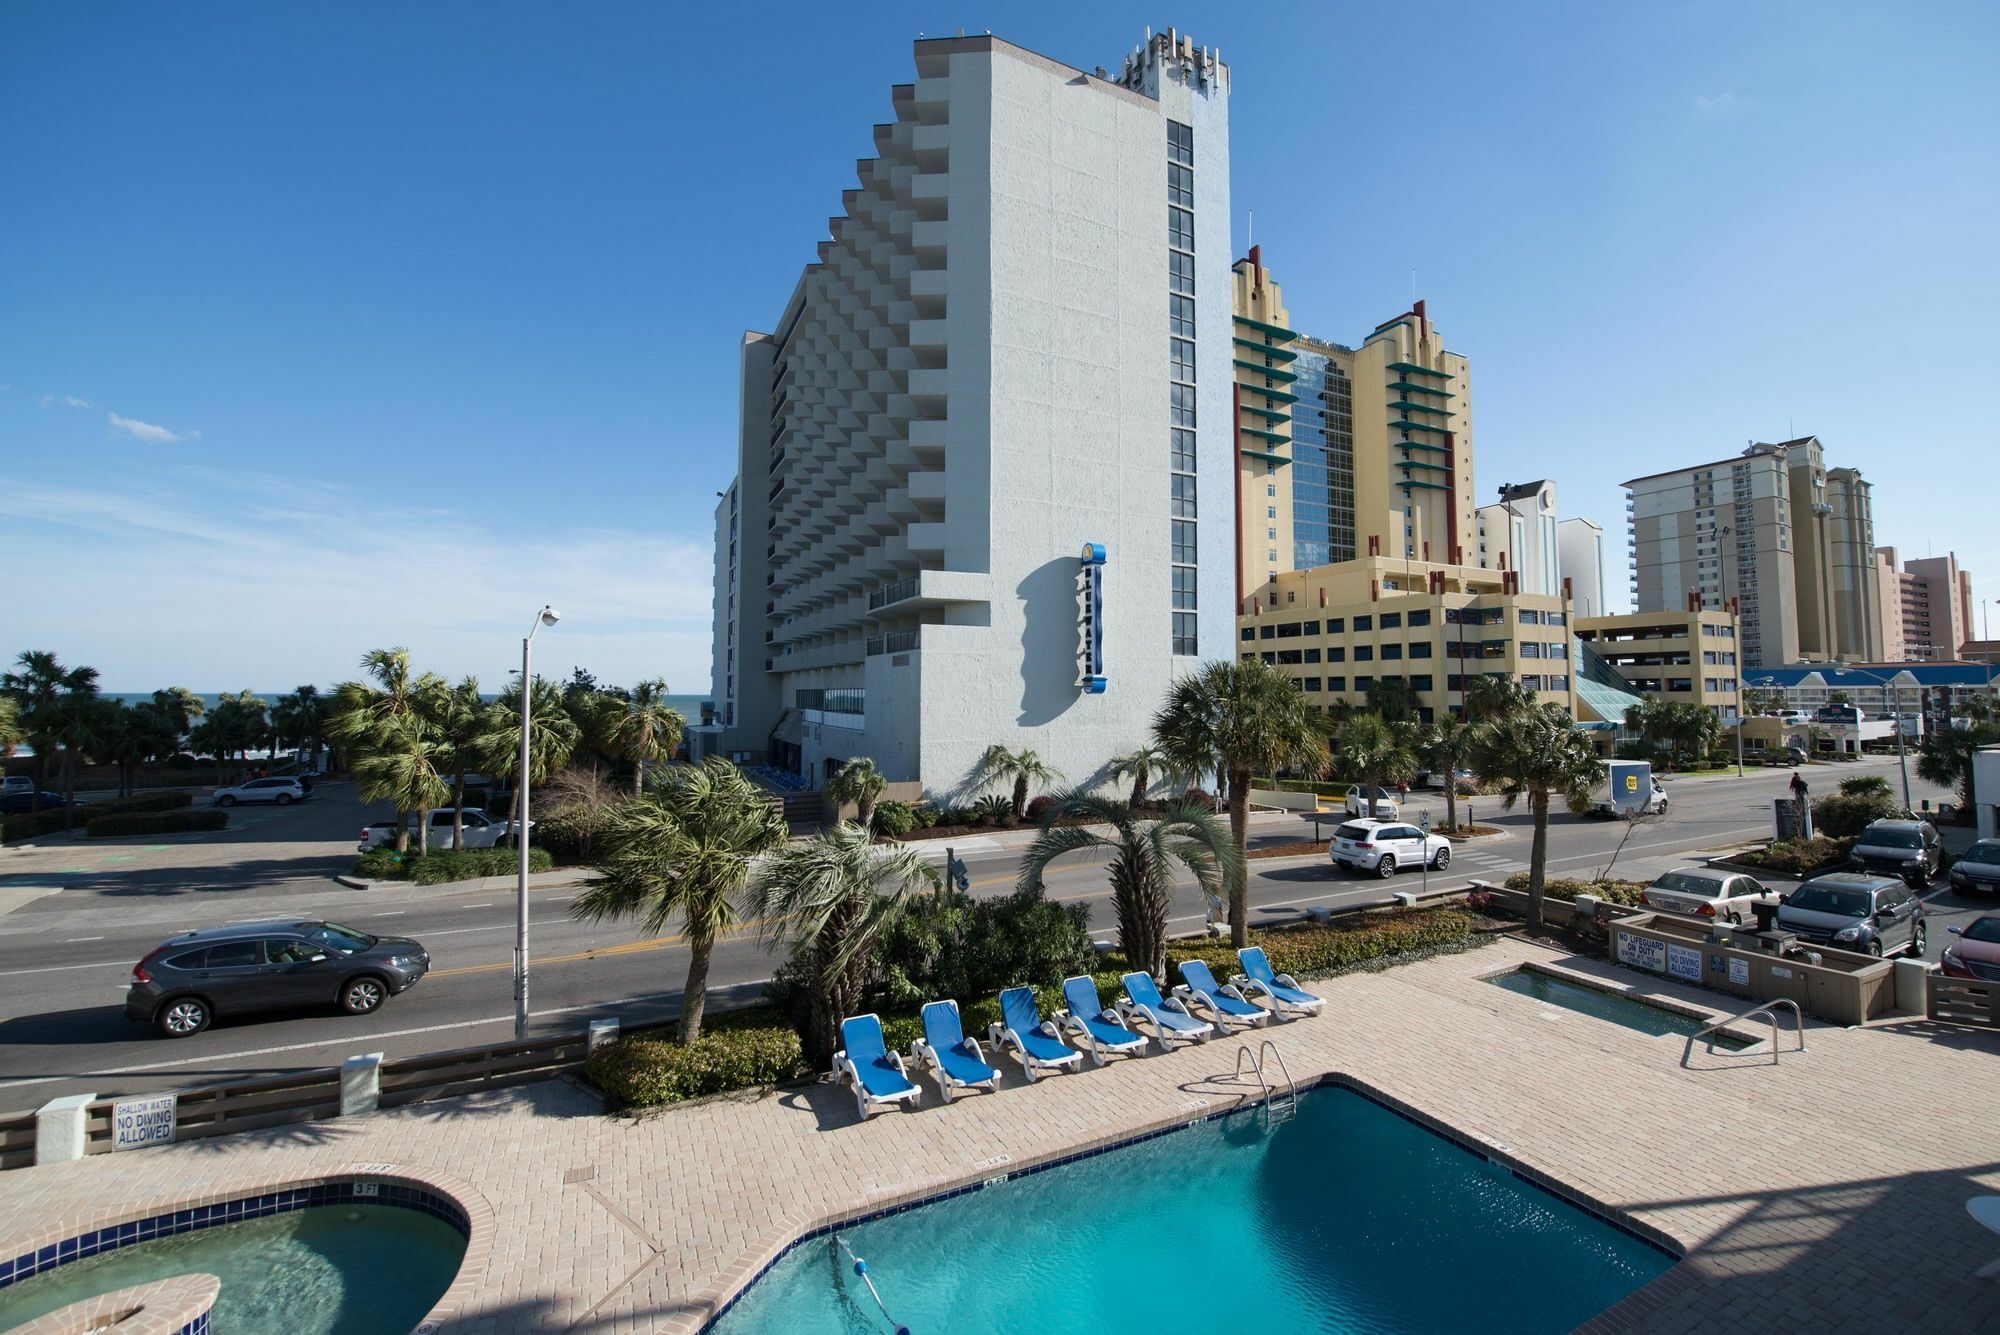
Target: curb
{"x": 540, "y": 880}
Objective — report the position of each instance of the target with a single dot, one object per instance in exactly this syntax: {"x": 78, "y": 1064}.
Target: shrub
{"x": 1847, "y": 814}
{"x": 993, "y": 810}
{"x": 894, "y": 819}
{"x": 924, "y": 815}
{"x": 571, "y": 811}
{"x": 1200, "y": 796}
{"x": 1865, "y": 785}
{"x": 143, "y": 802}
{"x": 1040, "y": 807}
{"x": 120, "y": 823}
{"x": 1568, "y": 888}
{"x": 30, "y": 824}
{"x": 440, "y": 866}
{"x": 637, "y": 1071}
{"x": 951, "y": 945}
{"x": 1310, "y": 951}
{"x": 1798, "y": 856}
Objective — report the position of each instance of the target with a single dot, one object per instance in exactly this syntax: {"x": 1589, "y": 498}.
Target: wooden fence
{"x": 17, "y": 1140}
{"x": 1963, "y": 1001}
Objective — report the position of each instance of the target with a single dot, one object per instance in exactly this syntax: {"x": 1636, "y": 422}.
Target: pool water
{"x": 1607, "y": 1006}
{"x": 323, "y": 1270}
{"x": 1347, "y": 1218}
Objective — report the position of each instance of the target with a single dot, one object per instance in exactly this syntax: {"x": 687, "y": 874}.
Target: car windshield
{"x": 1984, "y": 929}
{"x": 1829, "y": 899}
{"x": 1891, "y": 838}
{"x": 1981, "y": 852}
{"x": 343, "y": 939}
{"x": 1695, "y": 885}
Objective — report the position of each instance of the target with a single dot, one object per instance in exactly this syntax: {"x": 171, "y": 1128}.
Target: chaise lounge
{"x": 1169, "y": 1018}
{"x": 1283, "y": 990}
{"x": 878, "y": 1075}
{"x": 1226, "y": 1006}
{"x": 954, "y": 1061}
{"x": 1102, "y": 1033}
{"x": 1032, "y": 1040}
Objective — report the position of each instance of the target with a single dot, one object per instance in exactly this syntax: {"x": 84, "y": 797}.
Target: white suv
{"x": 1385, "y": 806}
{"x": 480, "y": 830}
{"x": 282, "y": 791}
{"x": 1386, "y": 847}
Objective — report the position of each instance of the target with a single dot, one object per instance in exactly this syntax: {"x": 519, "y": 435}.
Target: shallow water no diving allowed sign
{"x": 147, "y": 1121}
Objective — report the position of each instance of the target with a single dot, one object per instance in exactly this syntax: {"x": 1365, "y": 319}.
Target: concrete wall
{"x": 1844, "y": 988}
{"x": 1986, "y": 790}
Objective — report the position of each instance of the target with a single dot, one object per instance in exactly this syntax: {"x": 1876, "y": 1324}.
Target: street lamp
{"x": 548, "y": 616}
{"x": 1899, "y": 681}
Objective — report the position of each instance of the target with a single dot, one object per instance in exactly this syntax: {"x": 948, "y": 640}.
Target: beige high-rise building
{"x": 1346, "y": 453}
{"x": 1933, "y": 606}
{"x": 1791, "y": 540}
{"x": 1889, "y": 596}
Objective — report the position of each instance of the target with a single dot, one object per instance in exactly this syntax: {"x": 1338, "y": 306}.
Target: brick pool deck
{"x": 1826, "y": 1192}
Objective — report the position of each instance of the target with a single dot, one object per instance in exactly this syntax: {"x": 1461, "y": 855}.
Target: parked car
{"x": 1976, "y": 952}
{"x": 260, "y": 966}
{"x": 481, "y": 830}
{"x": 1978, "y": 868}
{"x": 1385, "y": 807}
{"x": 1707, "y": 893}
{"x": 1910, "y": 849}
{"x": 17, "y": 800}
{"x": 1851, "y": 910}
{"x": 1386, "y": 847}
{"x": 17, "y": 783}
{"x": 284, "y": 792}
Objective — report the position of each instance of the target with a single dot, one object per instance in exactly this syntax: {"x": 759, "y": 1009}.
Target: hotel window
{"x": 1184, "y": 549}
{"x": 1180, "y": 229}
{"x": 1363, "y": 623}
{"x": 1180, "y": 352}
{"x": 1364, "y": 653}
{"x": 1183, "y": 450}
{"x": 1312, "y": 655}
{"x": 1180, "y": 272}
{"x": 1392, "y": 651}
{"x": 1392, "y": 620}
{"x": 1420, "y": 648}
{"x": 1336, "y": 683}
{"x": 1184, "y": 591}
{"x": 1181, "y": 405}
{"x": 1183, "y": 496}
{"x": 1421, "y": 681}
{"x": 1363, "y": 683}
{"x": 1310, "y": 684}
{"x": 1180, "y": 143}
{"x": 1180, "y": 185}
{"x": 1336, "y": 655}
{"x": 1334, "y": 626}
{"x": 1420, "y": 617}
{"x": 1180, "y": 322}
{"x": 1270, "y": 512}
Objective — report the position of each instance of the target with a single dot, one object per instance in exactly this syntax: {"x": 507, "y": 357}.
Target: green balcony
{"x": 1267, "y": 414}
{"x": 1409, "y": 388}
{"x": 1413, "y": 369}
{"x": 1407, "y": 483}
{"x": 1262, "y": 434}
{"x": 1274, "y": 395}
{"x": 1420, "y": 445}
{"x": 1275, "y": 331}
{"x": 1420, "y": 426}
{"x": 1282, "y": 354}
{"x": 1415, "y": 463}
{"x": 1272, "y": 372}
{"x": 1403, "y": 406}
{"x": 1268, "y": 458}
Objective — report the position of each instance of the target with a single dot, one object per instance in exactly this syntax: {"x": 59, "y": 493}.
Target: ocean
{"x": 688, "y": 705}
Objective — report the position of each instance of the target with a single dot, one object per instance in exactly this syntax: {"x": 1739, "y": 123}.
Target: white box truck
{"x": 1628, "y": 789}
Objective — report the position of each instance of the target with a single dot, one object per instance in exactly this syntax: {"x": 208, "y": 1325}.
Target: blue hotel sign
{"x": 1090, "y": 611}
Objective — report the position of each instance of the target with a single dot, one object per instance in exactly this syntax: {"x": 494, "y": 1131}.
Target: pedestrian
{"x": 1798, "y": 787}
{"x": 1402, "y": 790}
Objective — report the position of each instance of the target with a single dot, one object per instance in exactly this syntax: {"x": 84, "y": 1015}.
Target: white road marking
{"x": 64, "y": 968}
{"x": 70, "y": 941}
{"x": 486, "y": 905}
{"x": 394, "y": 913}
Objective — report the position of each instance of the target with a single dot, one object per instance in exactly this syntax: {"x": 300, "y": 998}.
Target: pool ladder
{"x": 1274, "y": 1112}
{"x": 1769, "y": 1011}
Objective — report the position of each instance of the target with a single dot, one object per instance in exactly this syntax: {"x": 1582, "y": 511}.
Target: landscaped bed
{"x": 757, "y": 1047}
{"x": 1795, "y": 857}
{"x": 440, "y": 866}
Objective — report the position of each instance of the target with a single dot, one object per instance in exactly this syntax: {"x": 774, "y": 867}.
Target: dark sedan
{"x": 21, "y": 802}
{"x": 261, "y": 966}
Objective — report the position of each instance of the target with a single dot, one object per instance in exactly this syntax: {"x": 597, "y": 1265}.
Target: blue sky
{"x": 330, "y": 327}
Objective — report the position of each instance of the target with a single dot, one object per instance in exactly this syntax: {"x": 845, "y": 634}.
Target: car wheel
{"x": 225, "y": 801}
{"x": 1735, "y": 918}
{"x": 284, "y": 799}
{"x": 1918, "y": 940}
{"x": 1386, "y": 867}
{"x": 1442, "y": 861}
{"x": 1875, "y": 947}
{"x": 1920, "y": 879}
{"x": 359, "y": 996}
{"x": 183, "y": 1017}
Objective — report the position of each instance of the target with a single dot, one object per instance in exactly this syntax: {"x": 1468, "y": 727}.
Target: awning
{"x": 791, "y": 728}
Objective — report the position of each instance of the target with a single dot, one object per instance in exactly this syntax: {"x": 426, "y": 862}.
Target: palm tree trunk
{"x": 1020, "y": 797}
{"x": 1140, "y": 783}
{"x": 694, "y": 996}
{"x": 458, "y": 810}
{"x": 1451, "y": 797}
{"x": 1538, "y": 857}
{"x": 864, "y": 811}
{"x": 423, "y": 831}
{"x": 69, "y": 787}
{"x": 1239, "y": 879}
{"x": 402, "y": 831}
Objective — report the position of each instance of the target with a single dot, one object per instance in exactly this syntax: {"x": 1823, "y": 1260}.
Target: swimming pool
{"x": 1347, "y": 1219}
{"x": 1602, "y": 1005}
{"x": 321, "y": 1270}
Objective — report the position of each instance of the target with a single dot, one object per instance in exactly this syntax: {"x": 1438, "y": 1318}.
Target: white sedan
{"x": 1703, "y": 892}
{"x": 284, "y": 792}
{"x": 1386, "y": 847}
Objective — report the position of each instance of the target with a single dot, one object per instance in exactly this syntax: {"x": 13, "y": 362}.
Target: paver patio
{"x": 1826, "y": 1191}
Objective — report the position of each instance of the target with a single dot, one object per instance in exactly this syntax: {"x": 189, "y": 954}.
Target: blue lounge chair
{"x": 1225, "y": 1006}
{"x": 1102, "y": 1032}
{"x": 1170, "y": 1020}
{"x": 1031, "y": 1039}
{"x": 878, "y": 1075}
{"x": 1283, "y": 990}
{"x": 954, "y": 1061}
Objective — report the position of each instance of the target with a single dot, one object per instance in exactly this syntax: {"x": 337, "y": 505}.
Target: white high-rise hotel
{"x": 1015, "y": 343}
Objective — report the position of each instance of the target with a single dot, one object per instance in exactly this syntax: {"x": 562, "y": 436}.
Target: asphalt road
{"x": 66, "y": 956}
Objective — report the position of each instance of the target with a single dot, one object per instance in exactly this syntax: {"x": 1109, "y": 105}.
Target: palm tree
{"x": 11, "y": 732}
{"x": 831, "y": 897}
{"x": 1491, "y": 696}
{"x": 135, "y": 733}
{"x": 458, "y": 715}
{"x": 75, "y": 722}
{"x": 643, "y": 729}
{"x": 1240, "y": 719}
{"x": 1023, "y": 767}
{"x": 180, "y": 707}
{"x": 1144, "y": 855}
{"x": 1444, "y": 746}
{"x": 1536, "y": 753}
{"x": 366, "y": 714}
{"x": 859, "y": 782}
{"x": 552, "y": 739}
{"x": 682, "y": 851}
{"x": 401, "y": 766}
{"x": 1367, "y": 746}
{"x": 299, "y": 717}
{"x": 39, "y": 687}
{"x": 243, "y": 721}
{"x": 1946, "y": 756}
{"x": 1141, "y": 765}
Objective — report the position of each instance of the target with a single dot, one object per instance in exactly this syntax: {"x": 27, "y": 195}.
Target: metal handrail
{"x": 1256, "y": 1069}
{"x": 1769, "y": 1011}
{"x": 1291, "y": 1087}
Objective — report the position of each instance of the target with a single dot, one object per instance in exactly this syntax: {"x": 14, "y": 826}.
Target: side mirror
{"x": 1954, "y": 929}
{"x": 318, "y": 958}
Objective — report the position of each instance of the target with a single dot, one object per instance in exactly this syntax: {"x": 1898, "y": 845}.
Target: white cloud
{"x": 67, "y": 400}
{"x": 250, "y": 581}
{"x": 146, "y": 431}
{"x": 1712, "y": 106}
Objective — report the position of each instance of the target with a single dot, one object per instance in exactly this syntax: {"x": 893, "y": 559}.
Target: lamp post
{"x": 548, "y": 616}
{"x": 1899, "y": 681}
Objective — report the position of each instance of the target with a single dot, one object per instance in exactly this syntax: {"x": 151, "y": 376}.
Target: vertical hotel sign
{"x": 1090, "y": 613}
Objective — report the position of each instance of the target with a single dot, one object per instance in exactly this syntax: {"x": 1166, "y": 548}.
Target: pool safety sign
{"x": 1090, "y": 613}
{"x": 147, "y": 1121}
{"x": 1684, "y": 962}
{"x": 1642, "y": 952}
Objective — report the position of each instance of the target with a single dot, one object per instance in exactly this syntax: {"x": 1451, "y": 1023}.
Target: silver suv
{"x": 1849, "y": 910}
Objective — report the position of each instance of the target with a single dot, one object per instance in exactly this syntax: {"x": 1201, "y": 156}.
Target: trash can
{"x": 1767, "y": 916}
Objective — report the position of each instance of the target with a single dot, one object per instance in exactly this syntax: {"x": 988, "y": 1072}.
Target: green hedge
{"x": 641, "y": 1070}
{"x": 143, "y": 802}
{"x": 1568, "y": 888}
{"x": 1798, "y": 857}
{"x": 120, "y": 823}
{"x": 441, "y": 866}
